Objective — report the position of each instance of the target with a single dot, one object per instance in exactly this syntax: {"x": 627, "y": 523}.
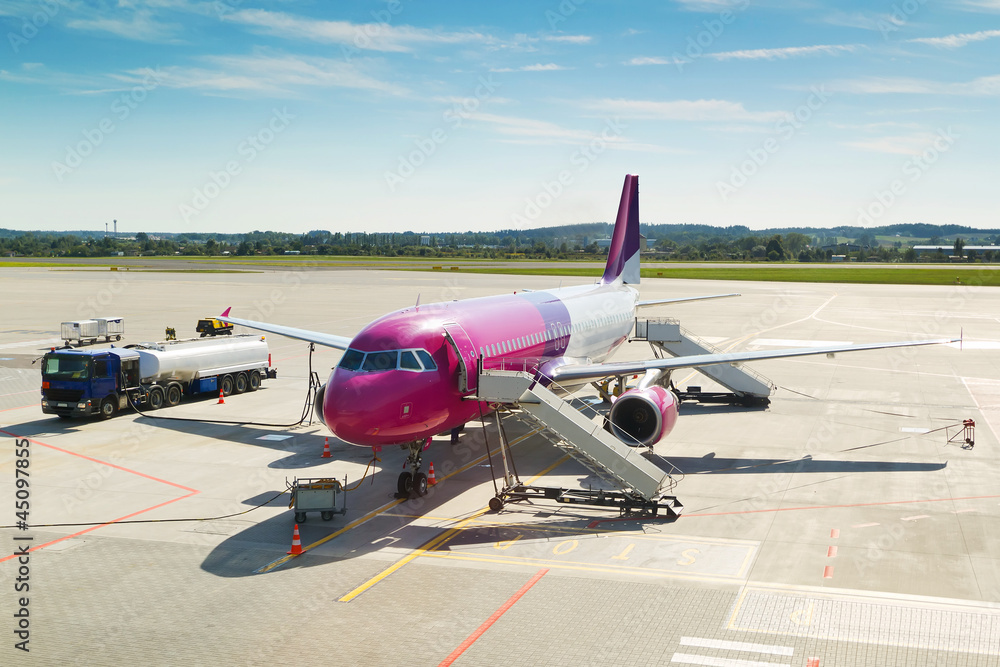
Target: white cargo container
{"x": 110, "y": 327}
{"x": 81, "y": 331}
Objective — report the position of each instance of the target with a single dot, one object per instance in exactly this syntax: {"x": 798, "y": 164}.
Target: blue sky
{"x": 236, "y": 115}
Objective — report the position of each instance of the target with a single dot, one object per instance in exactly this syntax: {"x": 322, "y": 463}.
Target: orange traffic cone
{"x": 222, "y": 400}
{"x": 296, "y": 542}
{"x": 326, "y": 448}
{"x": 431, "y": 480}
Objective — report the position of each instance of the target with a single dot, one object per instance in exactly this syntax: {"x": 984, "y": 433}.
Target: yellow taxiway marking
{"x": 436, "y": 541}
{"x": 375, "y": 512}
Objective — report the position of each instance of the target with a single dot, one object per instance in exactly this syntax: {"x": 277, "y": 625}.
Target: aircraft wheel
{"x": 155, "y": 399}
{"x": 109, "y": 407}
{"x": 420, "y": 483}
{"x": 496, "y": 504}
{"x": 300, "y": 517}
{"x": 405, "y": 484}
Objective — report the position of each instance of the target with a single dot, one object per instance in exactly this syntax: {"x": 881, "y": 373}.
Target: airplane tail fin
{"x": 623, "y": 256}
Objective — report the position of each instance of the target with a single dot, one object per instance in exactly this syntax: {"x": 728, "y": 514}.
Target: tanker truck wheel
{"x": 253, "y": 381}
{"x": 241, "y": 383}
{"x": 155, "y": 398}
{"x": 173, "y": 395}
{"x": 109, "y": 407}
{"x": 227, "y": 385}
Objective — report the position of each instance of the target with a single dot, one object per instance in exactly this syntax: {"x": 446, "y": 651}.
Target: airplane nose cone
{"x": 347, "y": 409}
{"x": 383, "y": 408}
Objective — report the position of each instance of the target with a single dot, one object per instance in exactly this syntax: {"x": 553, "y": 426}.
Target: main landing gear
{"x": 412, "y": 481}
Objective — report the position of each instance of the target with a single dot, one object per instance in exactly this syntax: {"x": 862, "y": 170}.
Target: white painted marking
{"x": 275, "y": 436}
{"x": 963, "y": 511}
{"x": 689, "y": 659}
{"x": 736, "y": 646}
{"x": 44, "y": 342}
{"x": 915, "y": 517}
{"x": 865, "y": 525}
{"x": 783, "y": 342}
{"x": 913, "y": 429}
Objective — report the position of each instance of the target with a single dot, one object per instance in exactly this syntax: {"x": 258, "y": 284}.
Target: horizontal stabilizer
{"x": 660, "y": 302}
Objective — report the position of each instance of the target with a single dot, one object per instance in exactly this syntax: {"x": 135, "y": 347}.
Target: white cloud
{"x": 140, "y": 25}
{"x": 712, "y": 5}
{"x": 569, "y": 39}
{"x": 537, "y": 67}
{"x": 363, "y": 36}
{"x": 530, "y": 131}
{"x": 787, "y": 52}
{"x": 684, "y": 110}
{"x": 655, "y": 60}
{"x": 863, "y": 20}
{"x": 986, "y": 86}
{"x": 911, "y": 144}
{"x": 271, "y": 75}
{"x": 958, "y": 41}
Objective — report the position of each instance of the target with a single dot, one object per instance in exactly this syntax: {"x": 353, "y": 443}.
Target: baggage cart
{"x": 317, "y": 495}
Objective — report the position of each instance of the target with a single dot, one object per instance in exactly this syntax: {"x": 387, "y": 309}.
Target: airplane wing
{"x": 329, "y": 340}
{"x": 658, "y": 302}
{"x": 595, "y": 371}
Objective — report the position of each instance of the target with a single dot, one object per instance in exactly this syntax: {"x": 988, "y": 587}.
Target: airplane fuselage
{"x": 399, "y": 381}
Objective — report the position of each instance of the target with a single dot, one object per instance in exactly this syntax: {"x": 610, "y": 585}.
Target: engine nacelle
{"x": 318, "y": 405}
{"x": 643, "y": 416}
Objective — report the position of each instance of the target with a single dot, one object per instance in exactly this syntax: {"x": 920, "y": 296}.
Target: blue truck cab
{"x": 77, "y": 383}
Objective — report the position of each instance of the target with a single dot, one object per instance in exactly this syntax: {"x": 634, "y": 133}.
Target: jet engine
{"x": 318, "y": 404}
{"x": 643, "y": 416}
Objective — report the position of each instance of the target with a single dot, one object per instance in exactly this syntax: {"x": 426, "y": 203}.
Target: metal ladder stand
{"x": 643, "y": 478}
{"x": 748, "y": 387}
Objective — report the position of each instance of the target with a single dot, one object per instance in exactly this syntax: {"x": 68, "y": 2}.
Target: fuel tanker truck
{"x": 78, "y": 383}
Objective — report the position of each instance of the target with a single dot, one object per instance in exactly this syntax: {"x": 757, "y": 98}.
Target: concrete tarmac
{"x": 844, "y": 522}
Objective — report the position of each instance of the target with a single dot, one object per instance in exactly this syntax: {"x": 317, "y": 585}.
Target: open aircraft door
{"x": 468, "y": 367}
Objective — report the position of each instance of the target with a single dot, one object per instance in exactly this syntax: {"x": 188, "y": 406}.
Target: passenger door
{"x": 465, "y": 350}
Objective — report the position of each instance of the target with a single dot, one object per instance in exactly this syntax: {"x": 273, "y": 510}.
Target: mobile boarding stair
{"x": 643, "y": 478}
{"x": 748, "y": 387}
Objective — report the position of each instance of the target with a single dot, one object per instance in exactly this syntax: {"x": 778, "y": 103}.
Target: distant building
{"x": 425, "y": 240}
{"x": 950, "y": 249}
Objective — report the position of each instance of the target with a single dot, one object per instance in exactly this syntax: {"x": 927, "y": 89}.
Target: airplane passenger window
{"x": 352, "y": 360}
{"x": 408, "y": 361}
{"x": 425, "y": 357}
{"x": 380, "y": 361}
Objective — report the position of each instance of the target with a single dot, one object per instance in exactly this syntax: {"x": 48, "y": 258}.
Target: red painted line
{"x": 190, "y": 493}
{"x": 92, "y": 528}
{"x": 834, "y": 533}
{"x": 471, "y": 639}
{"x": 103, "y": 463}
{"x": 828, "y": 572}
{"x": 17, "y": 393}
{"x": 831, "y": 552}
{"x": 29, "y": 405}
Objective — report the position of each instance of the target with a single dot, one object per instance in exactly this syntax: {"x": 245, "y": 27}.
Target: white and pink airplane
{"x": 407, "y": 376}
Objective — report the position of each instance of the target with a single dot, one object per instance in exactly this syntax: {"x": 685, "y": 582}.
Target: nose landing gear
{"x": 412, "y": 481}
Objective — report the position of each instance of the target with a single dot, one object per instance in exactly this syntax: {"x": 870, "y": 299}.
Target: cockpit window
{"x": 352, "y": 360}
{"x": 380, "y": 361}
{"x": 408, "y": 361}
{"x": 425, "y": 357}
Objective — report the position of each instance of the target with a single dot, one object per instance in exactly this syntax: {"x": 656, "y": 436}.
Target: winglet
{"x": 225, "y": 313}
{"x": 623, "y": 256}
